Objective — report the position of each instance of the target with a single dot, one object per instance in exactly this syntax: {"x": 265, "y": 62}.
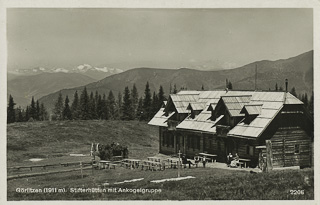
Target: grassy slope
{"x": 55, "y": 140}
{"x": 52, "y": 140}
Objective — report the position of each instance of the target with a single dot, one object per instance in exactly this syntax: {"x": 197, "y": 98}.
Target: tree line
{"x": 34, "y": 111}
{"x": 127, "y": 106}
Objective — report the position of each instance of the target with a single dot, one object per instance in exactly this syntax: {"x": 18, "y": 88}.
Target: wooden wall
{"x": 283, "y": 147}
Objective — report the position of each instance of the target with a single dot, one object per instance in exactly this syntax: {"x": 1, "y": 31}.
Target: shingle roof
{"x": 252, "y": 109}
{"x": 196, "y": 106}
{"x": 270, "y": 103}
{"x": 160, "y": 119}
{"x": 202, "y": 122}
{"x": 181, "y": 101}
{"x": 234, "y": 104}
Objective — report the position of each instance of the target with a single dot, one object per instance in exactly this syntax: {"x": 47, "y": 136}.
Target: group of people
{"x": 233, "y": 160}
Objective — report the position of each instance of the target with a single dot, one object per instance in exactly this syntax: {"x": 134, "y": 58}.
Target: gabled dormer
{"x": 195, "y": 108}
{"x": 230, "y": 106}
{"x": 251, "y": 111}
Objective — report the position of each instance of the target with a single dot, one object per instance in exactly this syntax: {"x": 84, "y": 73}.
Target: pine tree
{"x": 43, "y": 112}
{"x": 175, "y": 89}
{"x": 140, "y": 109}
{"x": 58, "y": 108}
{"x": 230, "y": 85}
{"x": 161, "y": 97}
{"x": 155, "y": 104}
{"x": 111, "y": 107}
{"x": 104, "y": 108}
{"x": 202, "y": 87}
{"x": 75, "y": 108}
{"x": 276, "y": 87}
{"x": 27, "y": 116}
{"x": 118, "y": 110}
{"x": 99, "y": 108}
{"x": 84, "y": 105}
{"x": 127, "y": 111}
{"x": 293, "y": 91}
{"x": 20, "y": 115}
{"x": 92, "y": 107}
{"x": 147, "y": 101}
{"x": 67, "y": 114}
{"x": 37, "y": 110}
{"x": 33, "y": 109}
{"x": 134, "y": 100}
{"x": 305, "y": 100}
{"x": 11, "y": 115}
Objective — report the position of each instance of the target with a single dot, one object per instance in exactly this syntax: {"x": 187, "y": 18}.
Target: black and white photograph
{"x": 157, "y": 103}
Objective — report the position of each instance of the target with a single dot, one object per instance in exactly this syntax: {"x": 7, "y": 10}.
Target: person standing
{"x": 204, "y": 161}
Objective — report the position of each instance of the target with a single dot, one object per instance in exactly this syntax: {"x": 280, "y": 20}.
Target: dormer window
{"x": 251, "y": 111}
{"x": 195, "y": 109}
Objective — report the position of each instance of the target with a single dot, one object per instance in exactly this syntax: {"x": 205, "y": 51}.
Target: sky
{"x": 204, "y": 39}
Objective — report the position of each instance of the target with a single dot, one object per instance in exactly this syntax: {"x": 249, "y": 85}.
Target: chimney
{"x": 286, "y": 85}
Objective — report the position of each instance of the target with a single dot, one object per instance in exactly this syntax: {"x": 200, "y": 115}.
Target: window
{"x": 296, "y": 149}
{"x": 250, "y": 150}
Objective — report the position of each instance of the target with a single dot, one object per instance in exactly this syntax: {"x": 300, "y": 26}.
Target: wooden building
{"x": 221, "y": 122}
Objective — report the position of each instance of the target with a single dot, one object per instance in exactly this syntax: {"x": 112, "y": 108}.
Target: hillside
{"x": 298, "y": 70}
{"x": 54, "y": 141}
{"x": 22, "y": 88}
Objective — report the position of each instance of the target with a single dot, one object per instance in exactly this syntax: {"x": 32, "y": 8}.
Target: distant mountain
{"x": 298, "y": 70}
{"x": 96, "y": 73}
{"x": 22, "y": 88}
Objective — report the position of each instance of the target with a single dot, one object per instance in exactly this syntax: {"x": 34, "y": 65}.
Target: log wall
{"x": 283, "y": 147}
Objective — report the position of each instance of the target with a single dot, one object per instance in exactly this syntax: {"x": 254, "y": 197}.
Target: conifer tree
{"x": 92, "y": 107}
{"x": 84, "y": 105}
{"x": 99, "y": 107}
{"x": 75, "y": 107}
{"x": 175, "y": 89}
{"x": 104, "y": 108}
{"x": 43, "y": 112}
{"x": 155, "y": 104}
{"x": 140, "y": 109}
{"x": 305, "y": 100}
{"x": 67, "y": 115}
{"x": 147, "y": 102}
{"x": 20, "y": 115}
{"x": 118, "y": 110}
{"x": 127, "y": 111}
{"x": 229, "y": 85}
{"x": 111, "y": 107}
{"x": 161, "y": 97}
{"x": 293, "y": 91}
{"x": 202, "y": 87}
{"x": 276, "y": 87}
{"x": 37, "y": 110}
{"x": 27, "y": 116}
{"x": 134, "y": 100}
{"x": 58, "y": 108}
{"x": 11, "y": 115}
{"x": 33, "y": 109}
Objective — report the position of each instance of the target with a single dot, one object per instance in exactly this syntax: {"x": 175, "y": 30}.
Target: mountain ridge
{"x": 298, "y": 69}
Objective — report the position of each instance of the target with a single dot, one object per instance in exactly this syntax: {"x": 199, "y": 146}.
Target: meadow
{"x": 54, "y": 141}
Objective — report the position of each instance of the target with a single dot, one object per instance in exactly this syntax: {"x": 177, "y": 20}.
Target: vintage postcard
{"x": 210, "y": 101}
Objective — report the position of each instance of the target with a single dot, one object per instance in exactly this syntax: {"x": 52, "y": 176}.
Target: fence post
{"x": 269, "y": 155}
